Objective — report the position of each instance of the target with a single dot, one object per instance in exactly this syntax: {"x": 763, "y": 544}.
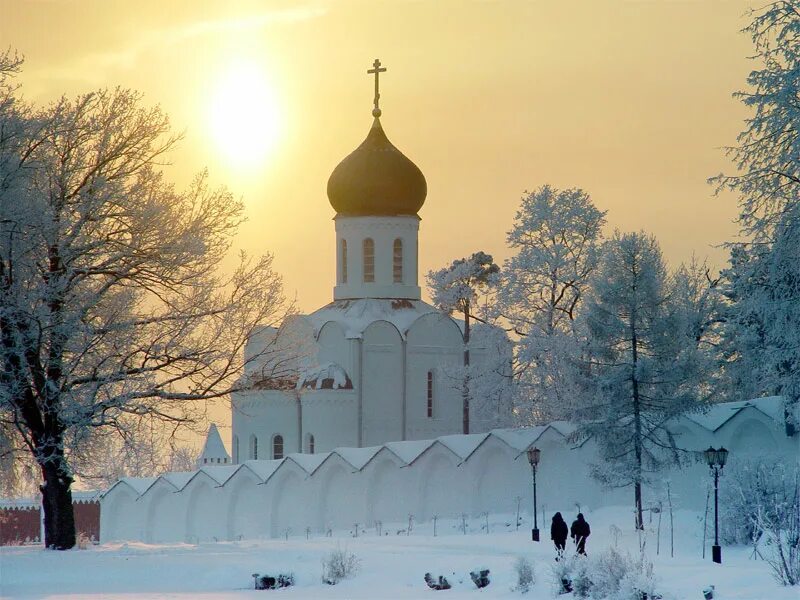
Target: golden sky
{"x": 629, "y": 100}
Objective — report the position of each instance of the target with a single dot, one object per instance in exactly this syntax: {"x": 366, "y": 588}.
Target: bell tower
{"x": 377, "y": 192}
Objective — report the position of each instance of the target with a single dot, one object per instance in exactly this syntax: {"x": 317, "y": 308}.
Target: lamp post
{"x": 716, "y": 460}
{"x": 533, "y": 458}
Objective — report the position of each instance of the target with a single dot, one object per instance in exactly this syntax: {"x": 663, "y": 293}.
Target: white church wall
{"x": 445, "y": 478}
{"x": 434, "y": 343}
{"x": 119, "y": 522}
{"x": 341, "y": 498}
{"x": 331, "y": 416}
{"x": 388, "y": 488}
{"x": 244, "y": 506}
{"x": 290, "y": 500}
{"x": 204, "y": 521}
{"x": 382, "y": 384}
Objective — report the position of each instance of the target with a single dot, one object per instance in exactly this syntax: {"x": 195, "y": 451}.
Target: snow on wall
{"x": 445, "y": 477}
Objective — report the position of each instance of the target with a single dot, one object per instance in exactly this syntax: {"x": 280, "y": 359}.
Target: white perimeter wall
{"x": 444, "y": 477}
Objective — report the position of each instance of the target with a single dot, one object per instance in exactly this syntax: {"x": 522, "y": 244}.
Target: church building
{"x": 382, "y": 365}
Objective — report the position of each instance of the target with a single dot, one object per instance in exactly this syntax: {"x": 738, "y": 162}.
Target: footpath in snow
{"x": 391, "y": 565}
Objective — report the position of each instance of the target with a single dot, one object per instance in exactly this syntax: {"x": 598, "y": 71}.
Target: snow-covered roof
{"x": 408, "y": 451}
{"x": 463, "y": 445}
{"x": 357, "y": 457}
{"x": 718, "y": 414}
{"x": 213, "y": 448}
{"x": 308, "y": 462}
{"x": 327, "y": 376}
{"x": 354, "y": 316}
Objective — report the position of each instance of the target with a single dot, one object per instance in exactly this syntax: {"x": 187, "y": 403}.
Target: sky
{"x": 631, "y": 101}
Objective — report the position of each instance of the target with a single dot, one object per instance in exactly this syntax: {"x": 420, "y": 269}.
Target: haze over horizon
{"x": 629, "y": 101}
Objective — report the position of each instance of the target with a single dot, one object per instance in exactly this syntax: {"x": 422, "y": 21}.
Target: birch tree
{"x": 112, "y": 302}
{"x": 555, "y": 239}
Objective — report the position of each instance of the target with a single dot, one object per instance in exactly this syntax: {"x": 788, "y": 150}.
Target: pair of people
{"x": 579, "y": 531}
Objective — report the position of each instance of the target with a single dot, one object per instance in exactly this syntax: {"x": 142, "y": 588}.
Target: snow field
{"x": 392, "y": 566}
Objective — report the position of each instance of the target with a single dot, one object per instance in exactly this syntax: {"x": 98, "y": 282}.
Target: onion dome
{"x": 376, "y": 179}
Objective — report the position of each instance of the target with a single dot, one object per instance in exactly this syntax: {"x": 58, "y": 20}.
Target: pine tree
{"x": 761, "y": 334}
{"x": 642, "y": 368}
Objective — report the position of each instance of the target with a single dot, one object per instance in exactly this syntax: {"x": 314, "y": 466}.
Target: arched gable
{"x": 247, "y": 509}
{"x": 436, "y": 329}
{"x": 205, "y": 515}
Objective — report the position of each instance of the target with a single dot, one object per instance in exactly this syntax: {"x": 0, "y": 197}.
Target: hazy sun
{"x": 244, "y": 115}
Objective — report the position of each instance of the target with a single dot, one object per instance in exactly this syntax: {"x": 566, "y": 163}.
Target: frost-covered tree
{"x": 112, "y": 306}
{"x": 762, "y": 331}
{"x": 555, "y": 237}
{"x": 458, "y": 288}
{"x": 641, "y": 369}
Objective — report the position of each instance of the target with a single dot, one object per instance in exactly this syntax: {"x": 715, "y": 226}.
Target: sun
{"x": 244, "y": 115}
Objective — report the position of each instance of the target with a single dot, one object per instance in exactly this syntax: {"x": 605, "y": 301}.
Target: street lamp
{"x": 716, "y": 460}
{"x": 533, "y": 458}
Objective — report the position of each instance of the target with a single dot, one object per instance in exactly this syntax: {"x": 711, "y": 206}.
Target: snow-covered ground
{"x": 392, "y": 565}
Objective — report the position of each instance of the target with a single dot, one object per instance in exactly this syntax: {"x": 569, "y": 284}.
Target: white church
{"x": 381, "y": 362}
{"x": 369, "y": 427}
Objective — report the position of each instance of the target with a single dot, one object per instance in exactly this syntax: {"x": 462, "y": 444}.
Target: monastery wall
{"x": 445, "y": 477}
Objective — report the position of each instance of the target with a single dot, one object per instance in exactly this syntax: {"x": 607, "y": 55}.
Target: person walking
{"x": 579, "y": 532}
{"x": 558, "y": 532}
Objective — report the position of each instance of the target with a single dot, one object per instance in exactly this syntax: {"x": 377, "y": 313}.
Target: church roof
{"x": 354, "y": 316}
{"x": 213, "y": 448}
{"x": 376, "y": 179}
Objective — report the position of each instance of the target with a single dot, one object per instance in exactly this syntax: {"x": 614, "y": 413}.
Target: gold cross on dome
{"x": 377, "y": 70}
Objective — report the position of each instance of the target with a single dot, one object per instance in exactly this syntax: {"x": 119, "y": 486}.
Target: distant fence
{"x": 21, "y": 520}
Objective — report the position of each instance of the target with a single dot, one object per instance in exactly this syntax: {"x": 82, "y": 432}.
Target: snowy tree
{"x": 555, "y": 237}
{"x": 768, "y": 181}
{"x": 762, "y": 331}
{"x": 641, "y": 370}
{"x": 112, "y": 306}
{"x": 459, "y": 287}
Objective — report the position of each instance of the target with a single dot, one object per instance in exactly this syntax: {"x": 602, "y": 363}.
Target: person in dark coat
{"x": 579, "y": 532}
{"x": 558, "y": 532}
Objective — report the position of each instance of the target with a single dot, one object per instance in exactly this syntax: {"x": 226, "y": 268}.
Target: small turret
{"x": 214, "y": 452}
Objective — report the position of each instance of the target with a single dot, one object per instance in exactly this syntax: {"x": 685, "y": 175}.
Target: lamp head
{"x": 722, "y": 456}
{"x": 711, "y": 456}
{"x": 533, "y": 456}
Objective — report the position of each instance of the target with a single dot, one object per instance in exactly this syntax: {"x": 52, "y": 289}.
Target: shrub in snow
{"x": 339, "y": 564}
{"x": 762, "y": 507}
{"x": 754, "y": 490}
{"x": 437, "y": 583}
{"x": 268, "y": 582}
{"x": 611, "y": 575}
{"x": 525, "y": 575}
{"x": 480, "y": 578}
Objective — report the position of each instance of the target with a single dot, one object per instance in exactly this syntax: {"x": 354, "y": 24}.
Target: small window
{"x": 430, "y": 394}
{"x": 205, "y": 461}
{"x": 397, "y": 261}
{"x": 344, "y": 261}
{"x": 369, "y": 261}
{"x": 277, "y": 447}
{"x": 253, "y": 447}
{"x": 236, "y": 449}
{"x": 310, "y": 444}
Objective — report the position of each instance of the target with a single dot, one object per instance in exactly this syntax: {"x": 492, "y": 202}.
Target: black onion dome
{"x": 376, "y": 179}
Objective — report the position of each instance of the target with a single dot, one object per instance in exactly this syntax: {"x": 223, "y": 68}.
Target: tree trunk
{"x": 59, "y": 520}
{"x": 465, "y": 391}
{"x": 637, "y": 422}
